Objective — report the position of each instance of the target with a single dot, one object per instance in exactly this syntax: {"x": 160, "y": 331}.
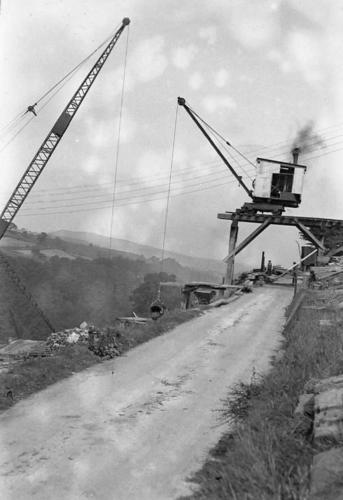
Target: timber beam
{"x": 247, "y": 240}
{"x": 283, "y": 220}
{"x": 304, "y": 224}
{"x": 309, "y": 235}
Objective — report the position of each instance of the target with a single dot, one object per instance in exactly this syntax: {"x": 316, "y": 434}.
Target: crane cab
{"x": 278, "y": 183}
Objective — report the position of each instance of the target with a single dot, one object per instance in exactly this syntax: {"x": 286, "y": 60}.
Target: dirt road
{"x": 136, "y": 427}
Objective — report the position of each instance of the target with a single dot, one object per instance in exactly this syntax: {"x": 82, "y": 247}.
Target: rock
{"x": 326, "y": 475}
{"x": 84, "y": 325}
{"x": 72, "y": 338}
{"x": 305, "y": 405}
{"x": 303, "y": 414}
{"x": 325, "y": 322}
{"x": 327, "y": 384}
{"x": 328, "y": 420}
{"x": 310, "y": 385}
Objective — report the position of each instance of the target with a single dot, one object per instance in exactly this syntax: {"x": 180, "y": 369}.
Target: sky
{"x": 258, "y": 72}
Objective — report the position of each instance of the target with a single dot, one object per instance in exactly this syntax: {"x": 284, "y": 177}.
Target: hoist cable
{"x": 15, "y": 135}
{"x": 168, "y": 198}
{"x": 61, "y": 83}
{"x": 119, "y": 137}
{"x": 221, "y": 137}
{"x": 70, "y": 73}
{"x": 224, "y": 143}
{"x": 32, "y": 117}
{"x": 234, "y": 159}
{"x": 11, "y": 124}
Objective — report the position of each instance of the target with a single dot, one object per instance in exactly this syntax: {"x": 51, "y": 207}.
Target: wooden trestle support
{"x": 304, "y": 224}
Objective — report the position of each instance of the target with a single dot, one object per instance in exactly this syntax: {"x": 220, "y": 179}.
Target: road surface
{"x": 136, "y": 427}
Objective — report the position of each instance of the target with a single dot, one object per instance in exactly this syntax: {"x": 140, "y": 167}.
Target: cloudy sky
{"x": 256, "y": 71}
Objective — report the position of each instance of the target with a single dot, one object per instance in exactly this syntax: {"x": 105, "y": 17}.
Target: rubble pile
{"x": 70, "y": 336}
{"x": 103, "y": 342}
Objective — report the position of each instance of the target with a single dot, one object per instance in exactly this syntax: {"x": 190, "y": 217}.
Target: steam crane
{"x": 277, "y": 184}
{"x": 49, "y": 145}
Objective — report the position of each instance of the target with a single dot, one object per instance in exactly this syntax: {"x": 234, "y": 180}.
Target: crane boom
{"x": 45, "y": 151}
{"x": 182, "y": 102}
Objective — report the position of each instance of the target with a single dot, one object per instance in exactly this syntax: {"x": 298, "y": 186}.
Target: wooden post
{"x": 248, "y": 239}
{"x": 295, "y": 282}
{"x": 187, "y": 295}
{"x": 222, "y": 291}
{"x": 263, "y": 263}
{"x": 232, "y": 246}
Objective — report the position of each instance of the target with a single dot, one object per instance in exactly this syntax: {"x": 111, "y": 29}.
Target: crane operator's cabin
{"x": 279, "y": 182}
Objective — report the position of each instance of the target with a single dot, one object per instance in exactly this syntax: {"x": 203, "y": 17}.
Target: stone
{"x": 327, "y": 384}
{"x": 73, "y": 338}
{"x": 327, "y": 475}
{"x": 303, "y": 414}
{"x": 310, "y": 385}
{"x": 328, "y": 419}
{"x": 305, "y": 405}
{"x": 325, "y": 322}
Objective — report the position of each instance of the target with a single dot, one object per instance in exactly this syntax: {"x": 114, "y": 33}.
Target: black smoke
{"x": 307, "y": 139}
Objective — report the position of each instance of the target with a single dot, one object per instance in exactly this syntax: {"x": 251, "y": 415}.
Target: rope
{"x": 226, "y": 142}
{"x": 61, "y": 83}
{"x": 16, "y": 134}
{"x": 73, "y": 70}
{"x": 118, "y": 138}
{"x": 32, "y": 117}
{"x": 5, "y": 129}
{"x": 168, "y": 199}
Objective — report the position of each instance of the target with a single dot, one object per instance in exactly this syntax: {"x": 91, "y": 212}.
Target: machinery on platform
{"x": 277, "y": 184}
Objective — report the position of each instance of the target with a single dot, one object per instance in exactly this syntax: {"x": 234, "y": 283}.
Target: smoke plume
{"x": 307, "y": 139}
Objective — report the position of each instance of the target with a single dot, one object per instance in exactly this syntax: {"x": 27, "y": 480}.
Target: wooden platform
{"x": 306, "y": 225}
{"x": 283, "y": 220}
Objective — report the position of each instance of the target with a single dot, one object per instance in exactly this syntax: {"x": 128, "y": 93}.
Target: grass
{"x": 34, "y": 374}
{"x": 28, "y": 376}
{"x": 268, "y": 455}
{"x": 138, "y": 334}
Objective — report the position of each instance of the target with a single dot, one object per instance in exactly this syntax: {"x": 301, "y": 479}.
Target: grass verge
{"x": 268, "y": 455}
{"x": 28, "y": 376}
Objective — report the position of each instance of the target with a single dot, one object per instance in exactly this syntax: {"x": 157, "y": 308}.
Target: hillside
{"x": 68, "y": 291}
{"x": 135, "y": 249}
{"x": 73, "y": 281}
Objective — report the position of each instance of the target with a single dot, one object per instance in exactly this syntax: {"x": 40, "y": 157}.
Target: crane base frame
{"x": 304, "y": 224}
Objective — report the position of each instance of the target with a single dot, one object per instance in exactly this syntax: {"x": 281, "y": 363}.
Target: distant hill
{"x": 136, "y": 249}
